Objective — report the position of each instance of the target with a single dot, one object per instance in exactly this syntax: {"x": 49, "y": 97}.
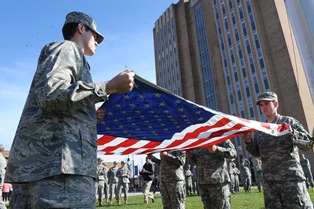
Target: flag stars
{"x": 132, "y": 105}
{"x": 141, "y": 96}
{"x": 198, "y": 112}
{"x": 129, "y": 118}
{"x": 200, "y": 119}
{"x": 177, "y": 101}
{"x": 126, "y": 96}
{"x": 115, "y": 120}
{"x": 147, "y": 105}
{"x": 162, "y": 104}
{"x": 118, "y": 105}
{"x": 157, "y": 95}
{"x": 166, "y": 111}
{"x": 133, "y": 124}
{"x": 181, "y": 109}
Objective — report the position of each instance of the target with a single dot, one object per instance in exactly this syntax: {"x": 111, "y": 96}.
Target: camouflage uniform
{"x": 247, "y": 180}
{"x": 258, "y": 175}
{"x": 236, "y": 173}
{"x": 106, "y": 183}
{"x": 123, "y": 175}
{"x": 195, "y": 180}
{"x": 306, "y": 166}
{"x": 283, "y": 178}
{"x": 172, "y": 183}
{"x": 230, "y": 171}
{"x": 99, "y": 183}
{"x": 113, "y": 182}
{"x": 188, "y": 180}
{"x": 213, "y": 177}
{"x": 3, "y": 164}
{"x": 56, "y": 136}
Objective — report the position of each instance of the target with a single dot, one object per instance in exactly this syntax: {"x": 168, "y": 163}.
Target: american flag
{"x": 151, "y": 119}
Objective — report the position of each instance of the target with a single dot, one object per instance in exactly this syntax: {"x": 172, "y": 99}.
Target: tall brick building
{"x": 223, "y": 53}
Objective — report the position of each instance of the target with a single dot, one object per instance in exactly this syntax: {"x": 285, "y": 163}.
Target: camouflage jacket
{"x": 123, "y": 174}
{"x": 171, "y": 166}
{"x": 112, "y": 175}
{"x": 212, "y": 167}
{"x": 57, "y": 130}
{"x": 279, "y": 155}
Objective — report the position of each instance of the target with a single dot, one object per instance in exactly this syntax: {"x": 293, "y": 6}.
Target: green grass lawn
{"x": 241, "y": 200}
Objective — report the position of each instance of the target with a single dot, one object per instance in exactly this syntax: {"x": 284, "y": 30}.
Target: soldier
{"x": 188, "y": 179}
{"x": 306, "y": 166}
{"x": 3, "y": 165}
{"x": 230, "y": 171}
{"x": 106, "y": 183}
{"x": 283, "y": 178}
{"x": 172, "y": 183}
{"x": 99, "y": 183}
{"x": 195, "y": 181}
{"x": 54, "y": 149}
{"x": 123, "y": 175}
{"x": 247, "y": 181}
{"x": 147, "y": 173}
{"x": 236, "y": 173}
{"x": 258, "y": 174}
{"x": 213, "y": 174}
{"x": 113, "y": 182}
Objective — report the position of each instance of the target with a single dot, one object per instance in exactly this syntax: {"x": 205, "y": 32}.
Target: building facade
{"x": 223, "y": 53}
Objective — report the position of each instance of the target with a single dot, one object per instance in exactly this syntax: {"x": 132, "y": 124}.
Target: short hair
{"x": 69, "y": 29}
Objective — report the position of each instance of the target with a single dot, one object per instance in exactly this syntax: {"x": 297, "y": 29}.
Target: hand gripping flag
{"x": 151, "y": 119}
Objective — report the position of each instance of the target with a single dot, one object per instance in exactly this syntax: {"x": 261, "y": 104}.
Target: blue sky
{"x": 28, "y": 25}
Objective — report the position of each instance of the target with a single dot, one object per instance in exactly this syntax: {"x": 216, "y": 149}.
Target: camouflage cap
{"x": 267, "y": 96}
{"x": 99, "y": 159}
{"x": 80, "y": 17}
{"x": 122, "y": 162}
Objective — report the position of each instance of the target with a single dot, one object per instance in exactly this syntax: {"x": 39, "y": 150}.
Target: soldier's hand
{"x": 164, "y": 153}
{"x": 212, "y": 149}
{"x": 121, "y": 83}
{"x": 100, "y": 113}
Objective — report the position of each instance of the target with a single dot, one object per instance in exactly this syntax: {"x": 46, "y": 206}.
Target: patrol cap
{"x": 122, "y": 162}
{"x": 115, "y": 162}
{"x": 267, "y": 96}
{"x": 99, "y": 159}
{"x": 80, "y": 17}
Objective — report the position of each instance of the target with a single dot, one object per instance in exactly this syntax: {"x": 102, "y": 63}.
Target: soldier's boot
{"x": 119, "y": 202}
{"x": 100, "y": 204}
{"x": 110, "y": 202}
{"x": 126, "y": 201}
